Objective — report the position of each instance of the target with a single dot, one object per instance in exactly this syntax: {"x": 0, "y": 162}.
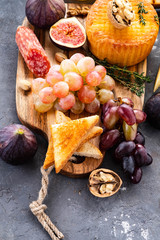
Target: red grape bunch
{"x": 75, "y": 84}
{"x": 120, "y": 131}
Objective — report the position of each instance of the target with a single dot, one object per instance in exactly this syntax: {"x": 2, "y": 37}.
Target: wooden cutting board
{"x": 41, "y": 122}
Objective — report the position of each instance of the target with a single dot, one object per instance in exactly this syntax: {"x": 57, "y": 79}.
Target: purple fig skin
{"x": 17, "y": 144}
{"x": 44, "y": 13}
{"x": 151, "y": 108}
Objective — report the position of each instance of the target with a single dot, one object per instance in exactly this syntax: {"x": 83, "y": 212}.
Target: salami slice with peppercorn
{"x": 32, "y": 51}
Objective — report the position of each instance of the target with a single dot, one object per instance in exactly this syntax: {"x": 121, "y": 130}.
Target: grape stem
{"x": 124, "y": 76}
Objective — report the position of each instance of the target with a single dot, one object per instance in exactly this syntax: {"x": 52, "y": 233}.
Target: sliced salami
{"x": 32, "y": 51}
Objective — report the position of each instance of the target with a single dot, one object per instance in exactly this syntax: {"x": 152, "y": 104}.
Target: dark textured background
{"x": 132, "y": 214}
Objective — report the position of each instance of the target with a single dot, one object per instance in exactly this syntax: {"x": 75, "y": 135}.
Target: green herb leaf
{"x": 156, "y": 18}
{"x": 141, "y": 11}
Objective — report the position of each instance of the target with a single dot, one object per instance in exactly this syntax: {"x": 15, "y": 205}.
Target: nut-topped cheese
{"x": 123, "y": 47}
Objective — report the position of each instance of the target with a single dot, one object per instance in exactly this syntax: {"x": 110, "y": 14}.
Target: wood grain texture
{"x": 41, "y": 122}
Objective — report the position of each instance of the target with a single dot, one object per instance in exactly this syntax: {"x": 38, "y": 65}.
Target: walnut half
{"x": 120, "y": 13}
{"x": 75, "y": 11}
{"x": 104, "y": 182}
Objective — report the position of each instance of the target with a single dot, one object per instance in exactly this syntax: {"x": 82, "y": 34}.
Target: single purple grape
{"x": 109, "y": 139}
{"x": 111, "y": 117}
{"x": 128, "y": 164}
{"x": 106, "y": 106}
{"x": 149, "y": 160}
{"x": 139, "y": 138}
{"x": 124, "y": 149}
{"x": 127, "y": 114}
{"x": 137, "y": 175}
{"x": 140, "y": 155}
{"x": 140, "y": 116}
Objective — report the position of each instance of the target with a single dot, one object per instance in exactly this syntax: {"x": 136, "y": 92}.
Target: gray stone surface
{"x": 132, "y": 214}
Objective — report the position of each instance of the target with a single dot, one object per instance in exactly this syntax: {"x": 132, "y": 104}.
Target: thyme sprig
{"x": 156, "y": 18}
{"x": 133, "y": 81}
{"x": 141, "y": 11}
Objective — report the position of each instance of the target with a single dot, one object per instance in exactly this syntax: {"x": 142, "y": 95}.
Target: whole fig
{"x": 17, "y": 144}
{"x": 152, "y": 109}
{"x": 44, "y": 13}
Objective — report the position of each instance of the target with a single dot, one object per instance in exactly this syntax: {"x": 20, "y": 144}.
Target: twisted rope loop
{"x": 37, "y": 207}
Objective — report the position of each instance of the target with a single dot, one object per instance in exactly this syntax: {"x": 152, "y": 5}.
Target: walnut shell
{"x": 98, "y": 186}
{"x": 120, "y": 13}
{"x": 112, "y": 18}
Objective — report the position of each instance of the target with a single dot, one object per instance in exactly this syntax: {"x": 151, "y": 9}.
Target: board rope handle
{"x": 37, "y": 207}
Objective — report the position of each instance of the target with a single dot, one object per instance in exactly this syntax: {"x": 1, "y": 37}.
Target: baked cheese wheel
{"x": 123, "y": 47}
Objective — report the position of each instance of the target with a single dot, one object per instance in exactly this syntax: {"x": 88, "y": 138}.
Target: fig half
{"x": 68, "y": 33}
{"x": 17, "y": 144}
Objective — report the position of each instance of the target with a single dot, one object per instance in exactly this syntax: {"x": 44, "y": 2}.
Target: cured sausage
{"x": 32, "y": 51}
